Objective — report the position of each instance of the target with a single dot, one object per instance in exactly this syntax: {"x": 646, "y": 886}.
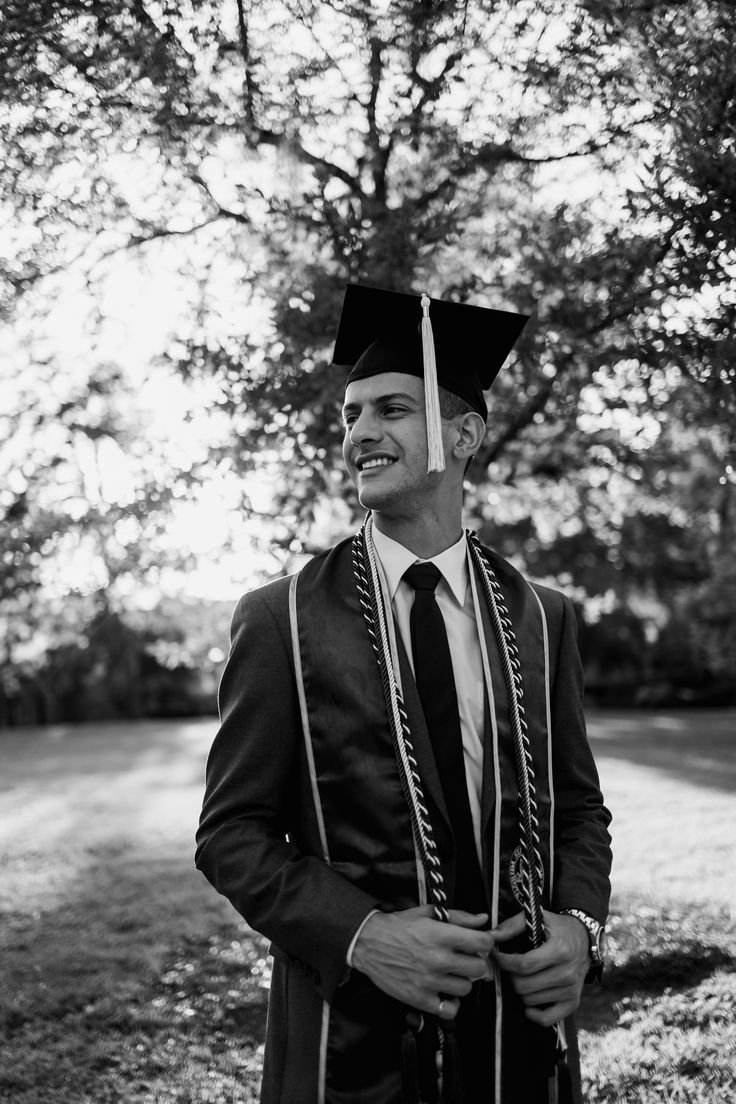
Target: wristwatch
{"x": 596, "y": 941}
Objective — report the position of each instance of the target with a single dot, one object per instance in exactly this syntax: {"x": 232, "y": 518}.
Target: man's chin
{"x": 376, "y": 498}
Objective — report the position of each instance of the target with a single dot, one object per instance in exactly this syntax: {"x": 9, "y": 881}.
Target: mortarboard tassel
{"x": 435, "y": 451}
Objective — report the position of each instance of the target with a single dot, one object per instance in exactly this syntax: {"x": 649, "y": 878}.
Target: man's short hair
{"x": 452, "y": 405}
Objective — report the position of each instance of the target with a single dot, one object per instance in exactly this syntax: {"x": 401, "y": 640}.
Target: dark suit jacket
{"x": 260, "y": 841}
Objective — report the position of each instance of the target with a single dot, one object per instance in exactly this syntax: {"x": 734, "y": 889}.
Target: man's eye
{"x": 394, "y": 409}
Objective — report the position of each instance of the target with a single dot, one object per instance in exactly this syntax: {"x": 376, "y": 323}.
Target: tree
{"x": 574, "y": 160}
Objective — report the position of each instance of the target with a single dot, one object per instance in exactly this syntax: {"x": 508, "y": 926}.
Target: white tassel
{"x": 435, "y": 451}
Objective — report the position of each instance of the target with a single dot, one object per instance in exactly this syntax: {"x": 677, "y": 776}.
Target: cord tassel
{"x": 563, "y": 1093}
{"x": 435, "y": 451}
{"x": 409, "y": 1062}
{"x": 452, "y": 1089}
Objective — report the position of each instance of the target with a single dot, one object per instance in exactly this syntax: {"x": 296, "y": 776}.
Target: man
{"x": 401, "y": 795}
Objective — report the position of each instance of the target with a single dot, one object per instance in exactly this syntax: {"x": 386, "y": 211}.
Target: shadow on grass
{"x": 652, "y": 974}
{"x": 147, "y": 987}
{"x": 657, "y": 951}
{"x": 693, "y": 746}
{"x": 648, "y": 976}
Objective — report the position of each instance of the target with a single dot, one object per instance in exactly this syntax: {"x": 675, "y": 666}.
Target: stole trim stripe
{"x": 322, "y": 1082}
{"x": 550, "y": 773}
{"x": 299, "y": 676}
{"x": 496, "y": 866}
{"x": 560, "y": 1026}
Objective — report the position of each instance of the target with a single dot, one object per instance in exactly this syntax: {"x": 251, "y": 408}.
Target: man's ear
{"x": 469, "y": 434}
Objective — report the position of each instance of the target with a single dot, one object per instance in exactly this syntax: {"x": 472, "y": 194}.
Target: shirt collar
{"x": 395, "y": 559}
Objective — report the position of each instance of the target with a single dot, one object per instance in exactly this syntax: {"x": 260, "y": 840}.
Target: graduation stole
{"x": 338, "y": 613}
{"x": 531, "y": 872}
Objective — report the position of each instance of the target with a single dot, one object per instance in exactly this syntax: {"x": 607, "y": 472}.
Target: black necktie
{"x": 436, "y": 685}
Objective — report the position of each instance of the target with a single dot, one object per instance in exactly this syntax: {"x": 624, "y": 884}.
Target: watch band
{"x": 596, "y": 941}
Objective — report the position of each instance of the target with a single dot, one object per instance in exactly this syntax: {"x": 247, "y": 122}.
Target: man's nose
{"x": 365, "y": 428}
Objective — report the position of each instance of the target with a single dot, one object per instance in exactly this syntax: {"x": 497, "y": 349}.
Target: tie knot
{"x": 423, "y": 576}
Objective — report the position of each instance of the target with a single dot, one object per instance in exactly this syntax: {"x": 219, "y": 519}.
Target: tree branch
{"x": 522, "y": 419}
{"x": 157, "y": 232}
{"x": 432, "y": 89}
{"x": 27, "y": 279}
{"x": 308, "y": 24}
{"x": 379, "y": 155}
{"x": 277, "y": 139}
{"x": 220, "y": 211}
{"x": 494, "y": 154}
{"x": 248, "y": 84}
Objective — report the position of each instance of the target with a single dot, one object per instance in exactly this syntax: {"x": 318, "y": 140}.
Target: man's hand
{"x": 550, "y": 979}
{"x": 421, "y": 961}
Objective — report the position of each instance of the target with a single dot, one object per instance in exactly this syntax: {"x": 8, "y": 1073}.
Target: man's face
{"x": 385, "y": 445}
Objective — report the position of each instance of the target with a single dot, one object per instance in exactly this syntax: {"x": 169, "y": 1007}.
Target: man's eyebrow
{"x": 351, "y": 407}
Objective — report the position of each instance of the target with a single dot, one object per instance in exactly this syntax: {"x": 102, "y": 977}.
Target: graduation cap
{"x": 452, "y": 345}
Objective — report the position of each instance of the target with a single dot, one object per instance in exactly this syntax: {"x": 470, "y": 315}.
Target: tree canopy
{"x": 574, "y": 159}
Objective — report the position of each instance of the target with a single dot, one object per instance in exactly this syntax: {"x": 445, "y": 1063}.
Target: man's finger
{"x": 557, "y": 978}
{"x": 548, "y": 1017}
{"x": 446, "y": 1007}
{"x": 453, "y": 985}
{"x": 474, "y": 967}
{"x": 468, "y": 919}
{"x": 531, "y": 962}
{"x": 509, "y": 929}
{"x": 547, "y": 998}
{"x": 463, "y": 940}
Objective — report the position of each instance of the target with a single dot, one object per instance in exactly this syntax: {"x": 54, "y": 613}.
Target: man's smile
{"x": 373, "y": 462}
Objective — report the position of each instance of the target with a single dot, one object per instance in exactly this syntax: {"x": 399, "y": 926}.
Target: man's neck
{"x": 425, "y": 537}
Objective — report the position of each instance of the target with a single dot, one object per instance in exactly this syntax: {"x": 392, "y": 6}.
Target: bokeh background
{"x": 185, "y": 188}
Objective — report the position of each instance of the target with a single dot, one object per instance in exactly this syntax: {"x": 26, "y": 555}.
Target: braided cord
{"x": 369, "y": 594}
{"x": 532, "y": 871}
{"x": 531, "y": 868}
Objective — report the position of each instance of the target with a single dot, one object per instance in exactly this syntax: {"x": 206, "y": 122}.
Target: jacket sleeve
{"x": 309, "y": 911}
{"x": 582, "y": 848}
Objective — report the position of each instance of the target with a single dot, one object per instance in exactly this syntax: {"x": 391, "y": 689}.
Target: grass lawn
{"x": 125, "y": 978}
